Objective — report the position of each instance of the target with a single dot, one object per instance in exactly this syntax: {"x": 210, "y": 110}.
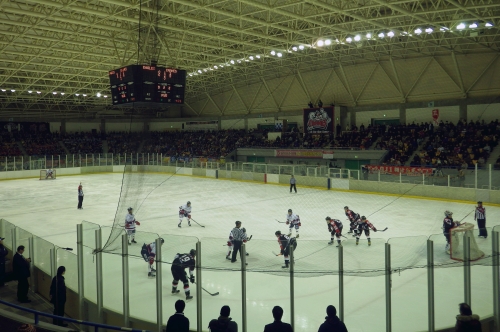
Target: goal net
{"x": 44, "y": 175}
{"x": 457, "y": 246}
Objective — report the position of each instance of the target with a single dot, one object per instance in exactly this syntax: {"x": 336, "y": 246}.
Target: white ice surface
{"x": 48, "y": 210}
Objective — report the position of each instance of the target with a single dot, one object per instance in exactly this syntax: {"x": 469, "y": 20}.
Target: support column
{"x": 99, "y": 281}
{"x": 402, "y": 114}
{"x": 159, "y": 287}
{"x": 341, "y": 282}
{"x": 199, "y": 317}
{"x": 246, "y": 124}
{"x": 430, "y": 286}
{"x": 462, "y": 110}
{"x": 292, "y": 288}
{"x": 63, "y": 127}
{"x": 388, "y": 304}
{"x": 352, "y": 116}
{"x": 103, "y": 126}
{"x": 244, "y": 287}
{"x": 496, "y": 279}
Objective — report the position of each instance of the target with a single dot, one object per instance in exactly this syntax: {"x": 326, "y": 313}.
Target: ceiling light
{"x": 232, "y": 62}
{"x": 368, "y": 35}
{"x": 257, "y": 56}
{"x": 328, "y": 42}
{"x": 62, "y": 93}
{"x": 250, "y": 57}
{"x": 295, "y": 49}
{"x": 98, "y": 95}
{"x": 215, "y": 67}
{"x": 429, "y": 30}
{"x": 381, "y": 35}
{"x": 190, "y": 74}
{"x": 12, "y": 90}
{"x": 199, "y": 71}
{"x": 461, "y": 26}
{"x": 337, "y": 41}
{"x": 205, "y": 70}
{"x": 54, "y": 93}
{"x": 348, "y": 39}
{"x": 443, "y": 29}
{"x": 39, "y": 92}
{"x": 30, "y": 91}
{"x": 210, "y": 69}
{"x": 239, "y": 61}
{"x": 473, "y": 25}
{"x": 84, "y": 95}
{"x": 105, "y": 96}
{"x": 279, "y": 55}
{"x": 320, "y": 43}
{"x": 357, "y": 38}
{"x": 77, "y": 94}
{"x": 3, "y": 90}
{"x": 488, "y": 25}
{"x": 418, "y": 31}
{"x": 222, "y": 66}
{"x": 390, "y": 34}
{"x": 301, "y": 47}
{"x": 273, "y": 53}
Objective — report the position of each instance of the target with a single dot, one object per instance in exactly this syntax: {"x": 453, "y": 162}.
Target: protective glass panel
{"x": 23, "y": 239}
{"x": 69, "y": 261}
{"x": 42, "y": 254}
{"x": 89, "y": 265}
{"x": 111, "y": 277}
{"x": 7, "y": 228}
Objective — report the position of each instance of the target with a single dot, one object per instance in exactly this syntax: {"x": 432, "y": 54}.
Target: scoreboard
{"x": 150, "y": 84}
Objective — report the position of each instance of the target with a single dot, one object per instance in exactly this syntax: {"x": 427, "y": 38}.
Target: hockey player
{"x": 182, "y": 261}
{"x": 49, "y": 173}
{"x": 353, "y": 218}
{"x": 480, "y": 217}
{"x": 448, "y": 224}
{"x": 130, "y": 223}
{"x": 335, "y": 228}
{"x": 230, "y": 242}
{"x": 148, "y": 252}
{"x": 285, "y": 243}
{"x": 364, "y": 225}
{"x": 294, "y": 221}
{"x": 185, "y": 211}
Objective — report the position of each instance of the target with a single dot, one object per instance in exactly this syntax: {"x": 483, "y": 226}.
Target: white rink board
{"x": 273, "y": 178}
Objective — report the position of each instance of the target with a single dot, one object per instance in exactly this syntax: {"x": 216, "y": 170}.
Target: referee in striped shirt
{"x": 238, "y": 238}
{"x": 480, "y": 217}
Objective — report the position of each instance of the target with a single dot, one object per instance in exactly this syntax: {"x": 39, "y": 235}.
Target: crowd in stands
{"x": 83, "y": 143}
{"x": 41, "y": 143}
{"x": 401, "y": 141}
{"x": 122, "y": 142}
{"x": 8, "y": 145}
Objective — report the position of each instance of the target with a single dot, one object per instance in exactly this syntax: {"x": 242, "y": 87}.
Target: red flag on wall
{"x": 435, "y": 116}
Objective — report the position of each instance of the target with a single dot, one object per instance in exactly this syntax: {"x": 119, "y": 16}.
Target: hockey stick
{"x": 197, "y": 222}
{"x": 212, "y": 294}
{"x": 281, "y": 222}
{"x": 275, "y": 254}
{"x": 382, "y": 230}
{"x": 248, "y": 240}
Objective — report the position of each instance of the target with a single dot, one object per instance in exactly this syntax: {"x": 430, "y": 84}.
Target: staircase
{"x": 64, "y": 147}
{"x": 105, "y": 147}
{"x": 419, "y": 148}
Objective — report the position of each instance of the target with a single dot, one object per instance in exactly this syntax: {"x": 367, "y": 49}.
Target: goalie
{"x": 448, "y": 224}
{"x": 49, "y": 173}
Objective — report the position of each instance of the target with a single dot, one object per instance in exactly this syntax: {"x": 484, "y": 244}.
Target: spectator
{"x": 332, "y": 322}
{"x": 3, "y": 254}
{"x": 21, "y": 269}
{"x": 178, "y": 322}
{"x": 26, "y": 328}
{"x": 58, "y": 295}
{"x": 224, "y": 323}
{"x": 278, "y": 325}
{"x": 466, "y": 321}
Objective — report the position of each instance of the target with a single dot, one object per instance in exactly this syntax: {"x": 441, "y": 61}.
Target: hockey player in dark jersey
{"x": 335, "y": 228}
{"x": 448, "y": 224}
{"x": 285, "y": 243}
{"x": 181, "y": 262}
{"x": 353, "y": 219}
{"x": 364, "y": 225}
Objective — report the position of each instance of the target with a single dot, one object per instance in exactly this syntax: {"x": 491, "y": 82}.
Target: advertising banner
{"x": 318, "y": 120}
{"x": 202, "y": 125}
{"x": 395, "y": 170}
{"x": 299, "y": 153}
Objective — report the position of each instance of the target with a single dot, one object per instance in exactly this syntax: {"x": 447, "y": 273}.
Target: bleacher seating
{"x": 122, "y": 142}
{"x": 83, "y": 143}
{"x": 41, "y": 143}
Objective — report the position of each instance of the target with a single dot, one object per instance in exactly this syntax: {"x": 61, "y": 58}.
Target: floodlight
{"x": 12, "y": 90}
{"x": 273, "y": 53}
{"x": 54, "y": 93}
{"x": 488, "y": 25}
{"x": 418, "y": 31}
{"x": 328, "y": 42}
{"x": 250, "y": 57}
{"x": 257, "y": 56}
{"x": 348, "y": 39}
{"x": 368, "y": 36}
{"x": 279, "y": 55}
{"x": 381, "y": 35}
{"x": 199, "y": 71}
{"x": 84, "y": 95}
{"x": 39, "y": 92}
{"x": 473, "y": 25}
{"x": 215, "y": 67}
{"x": 320, "y": 43}
{"x": 62, "y": 93}
{"x": 30, "y": 91}
{"x": 390, "y": 34}
{"x": 3, "y": 90}
{"x": 461, "y": 26}
{"x": 98, "y": 95}
{"x": 301, "y": 47}
{"x": 429, "y": 30}
{"x": 295, "y": 49}
{"x": 77, "y": 94}
{"x": 357, "y": 38}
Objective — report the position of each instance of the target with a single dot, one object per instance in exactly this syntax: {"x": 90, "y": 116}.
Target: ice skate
{"x": 188, "y": 295}
{"x": 151, "y": 275}
{"x": 297, "y": 236}
{"x": 350, "y": 231}
{"x": 175, "y": 290}
{"x": 285, "y": 266}
{"x": 179, "y": 225}
{"x": 247, "y": 254}
{"x": 331, "y": 242}
{"x": 134, "y": 241}
{"x": 339, "y": 244}
{"x": 369, "y": 242}
{"x": 228, "y": 258}
{"x": 357, "y": 241}
{"x": 189, "y": 224}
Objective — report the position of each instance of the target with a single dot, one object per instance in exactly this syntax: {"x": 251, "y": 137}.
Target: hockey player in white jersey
{"x": 185, "y": 211}
{"x": 230, "y": 243}
{"x": 293, "y": 220}
{"x": 130, "y": 224}
{"x": 148, "y": 252}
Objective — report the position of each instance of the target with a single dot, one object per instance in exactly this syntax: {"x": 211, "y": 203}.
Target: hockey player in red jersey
{"x": 364, "y": 225}
{"x": 353, "y": 218}
{"x": 335, "y": 228}
{"x": 285, "y": 243}
{"x": 148, "y": 252}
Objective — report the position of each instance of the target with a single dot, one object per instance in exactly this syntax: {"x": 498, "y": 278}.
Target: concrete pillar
{"x": 352, "y": 115}
{"x": 146, "y": 127}
{"x": 219, "y": 124}
{"x": 402, "y": 114}
{"x": 63, "y": 126}
{"x": 246, "y": 124}
{"x": 462, "y": 110}
{"x": 342, "y": 115}
{"x": 103, "y": 126}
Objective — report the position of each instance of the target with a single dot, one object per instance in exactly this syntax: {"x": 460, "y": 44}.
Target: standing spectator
{"x": 238, "y": 237}
{"x": 21, "y": 268}
{"x": 278, "y": 325}
{"x": 224, "y": 323}
{"x": 80, "y": 196}
{"x": 332, "y": 322}
{"x": 480, "y": 216}
{"x": 178, "y": 322}
{"x": 292, "y": 184}
{"x": 3, "y": 254}
{"x": 466, "y": 321}
{"x": 58, "y": 295}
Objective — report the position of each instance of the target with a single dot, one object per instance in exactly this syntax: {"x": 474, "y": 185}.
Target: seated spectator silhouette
{"x": 26, "y": 328}
{"x": 278, "y": 325}
{"x": 224, "y": 323}
{"x": 466, "y": 321}
{"x": 178, "y": 322}
{"x": 332, "y": 322}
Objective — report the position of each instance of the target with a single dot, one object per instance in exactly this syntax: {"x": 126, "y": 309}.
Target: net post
{"x": 292, "y": 288}
{"x": 126, "y": 281}
{"x": 496, "y": 279}
{"x": 199, "y": 322}
{"x": 341, "y": 282}
{"x": 430, "y": 286}
{"x": 159, "y": 288}
{"x": 99, "y": 281}
{"x": 81, "y": 276}
{"x": 244, "y": 287}
{"x": 467, "y": 275}
{"x": 388, "y": 319}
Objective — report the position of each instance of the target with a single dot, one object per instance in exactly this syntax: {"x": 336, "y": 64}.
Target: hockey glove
{"x": 137, "y": 223}
{"x": 299, "y": 224}
{"x": 185, "y": 214}
{"x": 229, "y": 244}
{"x": 287, "y": 222}
{"x": 189, "y": 216}
{"x": 374, "y": 229}
{"x": 191, "y": 278}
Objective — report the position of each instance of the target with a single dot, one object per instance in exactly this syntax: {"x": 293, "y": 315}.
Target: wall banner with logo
{"x": 318, "y": 120}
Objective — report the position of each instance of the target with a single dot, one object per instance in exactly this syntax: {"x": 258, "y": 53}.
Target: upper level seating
{"x": 122, "y": 142}
{"x": 82, "y": 143}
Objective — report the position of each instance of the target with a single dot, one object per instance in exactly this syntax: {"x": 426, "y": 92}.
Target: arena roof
{"x": 247, "y": 55}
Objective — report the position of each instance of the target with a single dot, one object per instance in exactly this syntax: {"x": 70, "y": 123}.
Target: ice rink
{"x": 48, "y": 209}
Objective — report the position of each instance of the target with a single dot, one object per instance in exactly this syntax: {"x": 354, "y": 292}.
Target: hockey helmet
{"x": 363, "y": 218}
{"x": 448, "y": 213}
{"x": 277, "y": 233}
{"x": 188, "y": 203}
{"x": 237, "y": 222}
{"x": 346, "y": 207}
{"x": 479, "y": 203}
{"x": 192, "y": 252}
{"x": 244, "y": 230}
{"x": 162, "y": 240}
{"x": 328, "y": 218}
{"x": 289, "y": 210}
{"x": 130, "y": 209}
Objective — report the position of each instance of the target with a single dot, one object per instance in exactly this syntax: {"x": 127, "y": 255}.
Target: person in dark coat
{"x": 58, "y": 295}
{"x": 224, "y": 323}
{"x": 466, "y": 321}
{"x": 80, "y": 196}
{"x": 178, "y": 322}
{"x": 278, "y": 325}
{"x": 332, "y": 322}
{"x": 3, "y": 254}
{"x": 21, "y": 269}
